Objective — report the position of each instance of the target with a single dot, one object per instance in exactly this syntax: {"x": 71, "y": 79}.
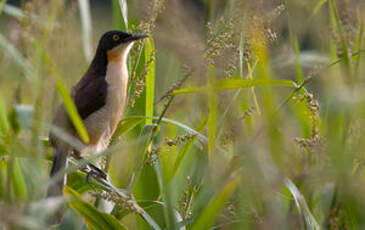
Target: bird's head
{"x": 116, "y": 44}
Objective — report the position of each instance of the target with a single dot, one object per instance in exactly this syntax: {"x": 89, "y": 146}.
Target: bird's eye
{"x": 116, "y": 37}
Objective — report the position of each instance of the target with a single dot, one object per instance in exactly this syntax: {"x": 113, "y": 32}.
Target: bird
{"x": 100, "y": 98}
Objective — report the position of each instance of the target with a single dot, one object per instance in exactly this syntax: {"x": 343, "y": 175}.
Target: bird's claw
{"x": 98, "y": 172}
{"x": 92, "y": 170}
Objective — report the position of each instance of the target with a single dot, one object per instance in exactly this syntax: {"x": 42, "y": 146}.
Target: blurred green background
{"x": 259, "y": 110}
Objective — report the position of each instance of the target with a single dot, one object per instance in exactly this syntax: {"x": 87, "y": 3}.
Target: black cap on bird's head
{"x": 115, "y": 38}
{"x": 113, "y": 47}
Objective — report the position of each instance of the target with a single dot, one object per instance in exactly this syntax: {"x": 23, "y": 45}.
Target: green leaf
{"x": 298, "y": 68}
{"x": 187, "y": 147}
{"x": 235, "y": 84}
{"x": 4, "y": 123}
{"x": 318, "y": 6}
{"x": 150, "y": 78}
{"x": 246, "y": 83}
{"x": 250, "y": 76}
{"x": 169, "y": 215}
{"x": 165, "y": 120}
{"x": 137, "y": 68}
{"x": 120, "y": 14}
{"x": 77, "y": 181}
{"x": 72, "y": 111}
{"x": 209, "y": 214}
{"x": 94, "y": 218}
{"x": 3, "y": 171}
{"x": 19, "y": 185}
{"x": 126, "y": 125}
{"x": 212, "y": 118}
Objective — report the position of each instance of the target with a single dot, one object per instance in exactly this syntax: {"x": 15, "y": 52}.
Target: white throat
{"x": 125, "y": 52}
{"x": 117, "y": 79}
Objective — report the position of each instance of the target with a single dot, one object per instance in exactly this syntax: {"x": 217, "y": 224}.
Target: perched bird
{"x": 100, "y": 98}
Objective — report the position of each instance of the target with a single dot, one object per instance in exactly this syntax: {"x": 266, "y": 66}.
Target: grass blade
{"x": 120, "y": 16}
{"x": 208, "y": 216}
{"x": 150, "y": 78}
{"x": 250, "y": 76}
{"x": 19, "y": 185}
{"x": 124, "y": 10}
{"x": 202, "y": 138}
{"x": 302, "y": 206}
{"x": 236, "y": 84}
{"x": 298, "y": 68}
{"x": 4, "y": 123}
{"x": 95, "y": 219}
{"x": 212, "y": 118}
{"x": 72, "y": 111}
{"x": 188, "y": 129}
{"x": 337, "y": 25}
{"x": 126, "y": 125}
{"x": 187, "y": 147}
{"x": 85, "y": 15}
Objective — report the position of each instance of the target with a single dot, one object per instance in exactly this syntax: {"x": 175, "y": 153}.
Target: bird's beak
{"x": 135, "y": 37}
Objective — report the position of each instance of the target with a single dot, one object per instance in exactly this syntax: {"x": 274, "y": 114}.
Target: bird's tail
{"x": 55, "y": 188}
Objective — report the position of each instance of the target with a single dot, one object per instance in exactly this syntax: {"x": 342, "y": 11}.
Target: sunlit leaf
{"x": 236, "y": 84}
{"x": 150, "y": 78}
{"x": 72, "y": 111}
{"x": 127, "y": 125}
{"x": 78, "y": 182}
{"x": 94, "y": 218}
{"x": 120, "y": 14}
{"x": 4, "y": 123}
{"x": 213, "y": 106}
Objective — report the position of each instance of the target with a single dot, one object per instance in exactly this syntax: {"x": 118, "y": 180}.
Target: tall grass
{"x": 229, "y": 124}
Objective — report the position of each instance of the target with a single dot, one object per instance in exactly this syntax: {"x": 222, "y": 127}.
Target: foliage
{"x": 240, "y": 115}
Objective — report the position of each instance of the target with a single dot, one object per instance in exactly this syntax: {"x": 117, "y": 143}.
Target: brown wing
{"x": 90, "y": 95}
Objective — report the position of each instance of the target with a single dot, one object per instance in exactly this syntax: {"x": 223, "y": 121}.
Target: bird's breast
{"x": 117, "y": 79}
{"x": 102, "y": 123}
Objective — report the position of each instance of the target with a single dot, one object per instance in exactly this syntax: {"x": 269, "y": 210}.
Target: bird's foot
{"x": 94, "y": 170}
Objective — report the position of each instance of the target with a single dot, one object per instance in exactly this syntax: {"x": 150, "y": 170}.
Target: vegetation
{"x": 241, "y": 115}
